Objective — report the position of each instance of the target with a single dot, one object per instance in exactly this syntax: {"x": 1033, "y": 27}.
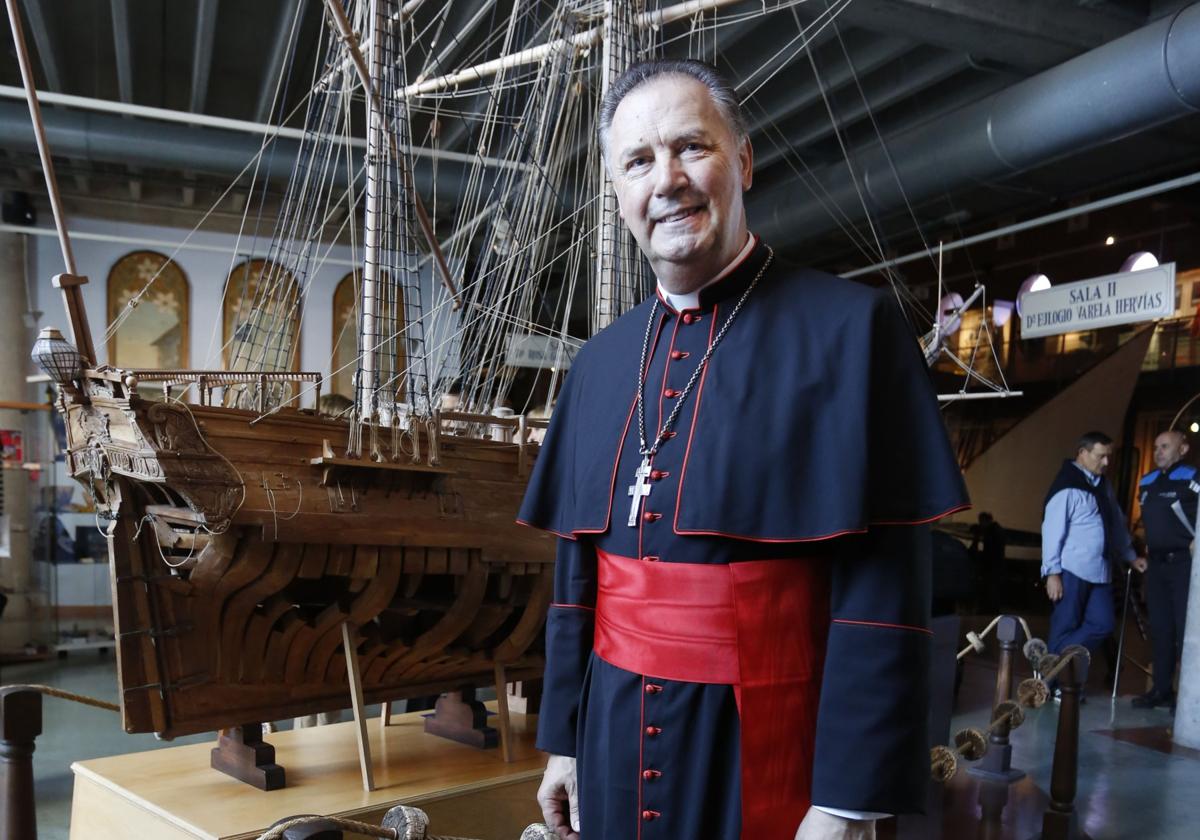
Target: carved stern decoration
{"x": 237, "y": 552}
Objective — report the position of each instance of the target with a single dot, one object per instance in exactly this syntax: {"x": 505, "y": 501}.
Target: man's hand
{"x": 1140, "y": 564}
{"x": 1054, "y": 587}
{"x": 558, "y": 797}
{"x": 819, "y": 825}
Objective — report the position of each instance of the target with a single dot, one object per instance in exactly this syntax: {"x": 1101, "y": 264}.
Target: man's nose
{"x": 670, "y": 177}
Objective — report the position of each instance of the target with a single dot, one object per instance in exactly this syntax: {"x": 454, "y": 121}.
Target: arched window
{"x": 345, "y": 335}
{"x": 261, "y": 318}
{"x": 154, "y": 334}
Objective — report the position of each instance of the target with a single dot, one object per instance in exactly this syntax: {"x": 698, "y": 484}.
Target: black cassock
{"x": 814, "y": 437}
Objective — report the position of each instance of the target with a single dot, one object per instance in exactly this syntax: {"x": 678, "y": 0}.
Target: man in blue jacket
{"x": 1083, "y": 534}
{"x": 1168, "y": 497}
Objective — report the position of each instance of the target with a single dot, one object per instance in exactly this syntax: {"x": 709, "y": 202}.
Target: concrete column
{"x": 16, "y": 627}
{"x": 1187, "y": 703}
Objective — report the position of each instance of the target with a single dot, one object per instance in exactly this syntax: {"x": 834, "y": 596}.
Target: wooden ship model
{"x": 246, "y": 532}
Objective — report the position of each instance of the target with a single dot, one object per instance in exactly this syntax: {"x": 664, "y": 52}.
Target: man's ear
{"x": 746, "y": 159}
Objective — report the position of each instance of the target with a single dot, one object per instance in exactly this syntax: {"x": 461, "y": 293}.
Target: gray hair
{"x": 642, "y": 72}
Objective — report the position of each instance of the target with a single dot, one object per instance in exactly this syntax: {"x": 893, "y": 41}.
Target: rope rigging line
{"x": 525, "y": 237}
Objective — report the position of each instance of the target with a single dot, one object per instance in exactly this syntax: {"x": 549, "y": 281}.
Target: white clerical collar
{"x": 691, "y": 300}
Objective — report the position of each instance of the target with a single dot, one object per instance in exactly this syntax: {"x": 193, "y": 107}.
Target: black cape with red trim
{"x": 819, "y": 420}
{"x": 814, "y": 435}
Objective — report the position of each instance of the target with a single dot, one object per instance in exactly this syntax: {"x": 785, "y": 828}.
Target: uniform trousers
{"x": 1167, "y": 595}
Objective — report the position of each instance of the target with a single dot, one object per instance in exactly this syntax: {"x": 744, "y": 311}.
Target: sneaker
{"x": 1152, "y": 699}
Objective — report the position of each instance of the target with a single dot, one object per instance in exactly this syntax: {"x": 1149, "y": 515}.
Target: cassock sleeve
{"x": 872, "y": 748}
{"x": 569, "y": 629}
{"x": 912, "y": 473}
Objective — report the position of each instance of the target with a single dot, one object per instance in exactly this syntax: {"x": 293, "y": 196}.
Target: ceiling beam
{"x": 122, "y": 49}
{"x": 1029, "y": 34}
{"x": 34, "y": 11}
{"x": 279, "y": 46}
{"x": 873, "y": 55}
{"x": 891, "y": 90}
{"x": 202, "y": 53}
{"x": 1054, "y": 21}
{"x": 123, "y": 52}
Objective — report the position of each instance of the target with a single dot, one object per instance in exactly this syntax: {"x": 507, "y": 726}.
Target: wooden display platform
{"x": 173, "y": 794}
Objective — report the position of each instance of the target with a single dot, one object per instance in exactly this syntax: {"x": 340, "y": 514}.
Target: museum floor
{"x": 1126, "y": 789}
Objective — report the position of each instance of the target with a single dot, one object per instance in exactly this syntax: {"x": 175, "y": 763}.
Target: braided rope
{"x": 51, "y": 691}
{"x": 351, "y": 825}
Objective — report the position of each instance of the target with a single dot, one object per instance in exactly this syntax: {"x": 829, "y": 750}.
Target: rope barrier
{"x": 351, "y": 825}
{"x": 276, "y": 833}
{"x": 51, "y": 691}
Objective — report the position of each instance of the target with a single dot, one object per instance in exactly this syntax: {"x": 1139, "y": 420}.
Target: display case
{"x": 68, "y": 590}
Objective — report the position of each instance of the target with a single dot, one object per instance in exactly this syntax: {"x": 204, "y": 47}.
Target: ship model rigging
{"x": 246, "y": 529}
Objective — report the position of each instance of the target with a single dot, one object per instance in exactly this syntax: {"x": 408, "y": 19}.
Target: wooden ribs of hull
{"x": 256, "y": 648}
{"x": 229, "y": 602}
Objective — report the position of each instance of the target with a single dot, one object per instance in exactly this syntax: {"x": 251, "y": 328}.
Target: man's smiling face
{"x": 679, "y": 172}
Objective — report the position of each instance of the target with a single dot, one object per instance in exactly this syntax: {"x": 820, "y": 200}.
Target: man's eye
{"x": 636, "y": 162}
{"x": 692, "y": 147}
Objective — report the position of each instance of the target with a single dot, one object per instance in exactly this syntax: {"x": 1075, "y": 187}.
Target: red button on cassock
{"x": 651, "y": 731}
{"x": 689, "y": 318}
{"x": 649, "y": 558}
{"x": 678, "y": 354}
{"x": 670, "y": 393}
{"x": 657, "y": 475}
{"x": 650, "y": 815}
{"x": 649, "y": 516}
{"x": 651, "y": 688}
{"x": 650, "y": 775}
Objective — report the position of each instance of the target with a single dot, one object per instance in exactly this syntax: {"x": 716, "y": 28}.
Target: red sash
{"x": 759, "y": 626}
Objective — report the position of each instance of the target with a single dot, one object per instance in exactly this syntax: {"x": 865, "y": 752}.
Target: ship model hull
{"x": 238, "y": 551}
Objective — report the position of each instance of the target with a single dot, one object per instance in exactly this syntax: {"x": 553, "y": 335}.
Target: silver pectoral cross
{"x": 639, "y": 490}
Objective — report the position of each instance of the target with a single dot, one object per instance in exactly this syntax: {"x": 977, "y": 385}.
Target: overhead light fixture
{"x": 950, "y": 313}
{"x": 1139, "y": 261}
{"x": 1033, "y": 283}
{"x": 1195, "y": 427}
{"x": 1002, "y": 311}
{"x": 1112, "y": 240}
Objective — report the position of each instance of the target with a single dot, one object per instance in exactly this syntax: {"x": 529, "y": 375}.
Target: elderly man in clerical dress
{"x": 741, "y": 471}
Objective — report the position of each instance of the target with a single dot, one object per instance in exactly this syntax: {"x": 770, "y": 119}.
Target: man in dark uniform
{"x": 1168, "y": 496}
{"x": 741, "y": 470}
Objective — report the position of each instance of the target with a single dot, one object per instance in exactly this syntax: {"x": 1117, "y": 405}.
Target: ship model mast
{"x": 244, "y": 532}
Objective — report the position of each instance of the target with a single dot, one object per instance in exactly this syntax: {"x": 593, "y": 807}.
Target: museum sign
{"x": 1126, "y": 298}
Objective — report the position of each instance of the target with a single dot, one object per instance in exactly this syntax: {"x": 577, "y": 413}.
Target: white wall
{"x": 206, "y": 272}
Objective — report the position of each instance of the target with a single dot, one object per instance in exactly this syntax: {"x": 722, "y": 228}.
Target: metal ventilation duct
{"x": 110, "y": 138}
{"x": 1139, "y": 81}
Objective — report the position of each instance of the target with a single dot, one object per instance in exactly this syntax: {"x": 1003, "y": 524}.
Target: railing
{"x": 208, "y": 380}
{"x": 1059, "y": 358}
